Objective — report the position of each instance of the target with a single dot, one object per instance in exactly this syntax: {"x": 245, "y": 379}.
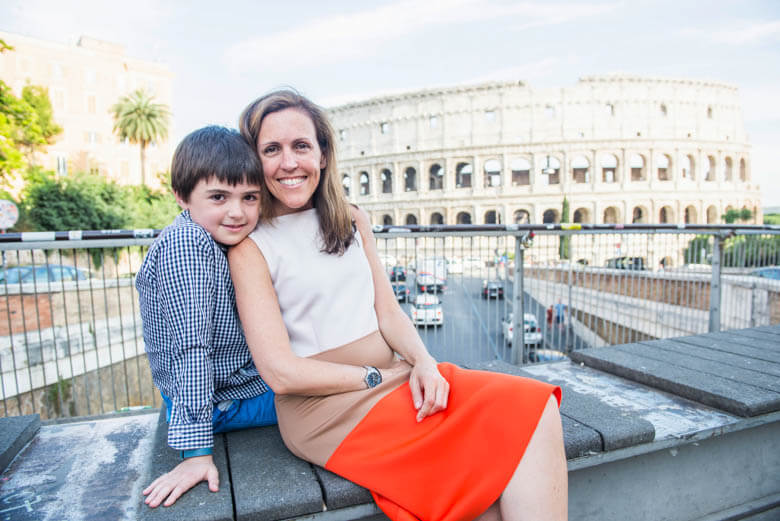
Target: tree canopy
{"x": 139, "y": 120}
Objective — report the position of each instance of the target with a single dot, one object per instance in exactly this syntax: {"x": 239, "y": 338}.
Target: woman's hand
{"x": 430, "y": 391}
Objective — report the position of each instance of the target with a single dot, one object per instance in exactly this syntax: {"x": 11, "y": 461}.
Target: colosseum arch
{"x": 437, "y": 218}
{"x": 410, "y": 219}
{"x": 463, "y": 218}
{"x": 582, "y": 215}
{"x": 709, "y": 174}
{"x": 492, "y": 217}
{"x": 551, "y": 170}
{"x": 611, "y": 215}
{"x": 690, "y": 215}
{"x": 436, "y": 177}
{"x": 580, "y": 169}
{"x": 492, "y": 174}
{"x": 522, "y": 217}
{"x": 688, "y": 167}
{"x": 728, "y": 169}
{"x": 521, "y": 171}
{"x": 386, "y": 177}
{"x": 712, "y": 214}
{"x": 463, "y": 175}
{"x": 410, "y": 180}
{"x": 666, "y": 215}
{"x": 387, "y": 220}
{"x": 551, "y": 216}
{"x": 639, "y": 215}
{"x": 742, "y": 170}
{"x": 609, "y": 165}
{"x": 638, "y": 167}
{"x": 346, "y": 182}
{"x": 664, "y": 167}
{"x": 365, "y": 183}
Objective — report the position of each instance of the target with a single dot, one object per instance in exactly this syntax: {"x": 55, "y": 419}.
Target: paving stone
{"x": 617, "y": 429}
{"x": 728, "y": 345}
{"x": 340, "y": 492}
{"x": 269, "y": 482}
{"x": 717, "y": 355}
{"x": 15, "y": 432}
{"x": 734, "y": 397}
{"x": 760, "y": 349}
{"x": 775, "y": 330}
{"x": 772, "y": 338}
{"x": 580, "y": 439}
{"x": 663, "y": 350}
{"x": 199, "y": 504}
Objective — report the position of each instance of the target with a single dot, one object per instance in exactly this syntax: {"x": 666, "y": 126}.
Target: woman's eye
{"x": 270, "y": 149}
{"x": 302, "y": 146}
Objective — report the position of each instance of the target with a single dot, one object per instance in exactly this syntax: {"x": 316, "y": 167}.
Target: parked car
{"x": 42, "y": 274}
{"x": 427, "y": 310}
{"x": 401, "y": 291}
{"x": 627, "y": 263}
{"x": 772, "y": 272}
{"x": 397, "y": 273}
{"x": 533, "y": 334}
{"x": 492, "y": 289}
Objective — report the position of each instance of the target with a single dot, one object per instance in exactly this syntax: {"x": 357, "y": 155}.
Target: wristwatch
{"x": 373, "y": 377}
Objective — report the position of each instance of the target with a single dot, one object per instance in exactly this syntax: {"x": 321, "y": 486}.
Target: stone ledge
{"x": 15, "y": 433}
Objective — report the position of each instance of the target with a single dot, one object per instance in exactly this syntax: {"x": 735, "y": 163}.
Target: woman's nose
{"x": 288, "y": 160}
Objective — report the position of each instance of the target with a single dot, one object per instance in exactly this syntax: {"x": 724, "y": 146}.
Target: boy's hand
{"x": 183, "y": 477}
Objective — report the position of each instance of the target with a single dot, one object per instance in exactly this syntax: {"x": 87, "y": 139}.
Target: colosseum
{"x": 620, "y": 149}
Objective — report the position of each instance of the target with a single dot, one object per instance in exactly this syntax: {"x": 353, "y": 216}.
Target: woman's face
{"x": 291, "y": 157}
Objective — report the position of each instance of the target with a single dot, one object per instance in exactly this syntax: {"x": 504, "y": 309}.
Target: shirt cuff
{"x": 190, "y": 436}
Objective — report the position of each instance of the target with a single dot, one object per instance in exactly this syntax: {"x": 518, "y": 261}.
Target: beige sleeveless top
{"x": 326, "y": 300}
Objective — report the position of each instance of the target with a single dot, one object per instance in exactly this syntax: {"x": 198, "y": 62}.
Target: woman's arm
{"x": 429, "y": 388}
{"x": 258, "y": 307}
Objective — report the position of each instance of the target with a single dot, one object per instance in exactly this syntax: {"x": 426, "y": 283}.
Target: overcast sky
{"x": 224, "y": 54}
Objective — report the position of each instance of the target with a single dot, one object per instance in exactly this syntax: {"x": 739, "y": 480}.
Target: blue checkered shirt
{"x": 196, "y": 348}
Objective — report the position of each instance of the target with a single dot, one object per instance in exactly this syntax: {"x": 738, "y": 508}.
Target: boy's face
{"x": 228, "y": 213}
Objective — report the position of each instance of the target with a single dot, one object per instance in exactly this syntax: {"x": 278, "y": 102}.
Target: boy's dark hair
{"x": 213, "y": 151}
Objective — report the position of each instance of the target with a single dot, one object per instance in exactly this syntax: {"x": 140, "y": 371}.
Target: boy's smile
{"x": 228, "y": 213}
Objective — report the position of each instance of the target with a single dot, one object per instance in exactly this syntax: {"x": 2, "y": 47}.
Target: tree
{"x": 732, "y": 216}
{"x": 139, "y": 120}
{"x": 43, "y": 128}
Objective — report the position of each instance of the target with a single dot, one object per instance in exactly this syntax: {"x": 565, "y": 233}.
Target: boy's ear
{"x": 180, "y": 201}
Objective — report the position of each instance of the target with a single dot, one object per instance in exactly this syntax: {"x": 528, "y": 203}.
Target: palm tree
{"x": 139, "y": 120}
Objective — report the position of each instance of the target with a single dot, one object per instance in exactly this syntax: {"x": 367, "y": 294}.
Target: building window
{"x": 637, "y": 164}
{"x": 709, "y": 112}
{"x": 463, "y": 218}
{"x": 463, "y": 175}
{"x": 581, "y": 215}
{"x": 387, "y": 220}
{"x": 62, "y": 165}
{"x": 342, "y": 135}
{"x": 663, "y": 163}
{"x": 664, "y": 111}
{"x": 490, "y": 116}
{"x": 609, "y": 165}
{"x": 688, "y": 168}
{"x": 410, "y": 180}
{"x": 549, "y": 112}
{"x": 411, "y": 219}
{"x": 386, "y": 176}
{"x": 728, "y": 170}
{"x": 709, "y": 175}
{"x": 384, "y": 127}
{"x": 521, "y": 172}
{"x": 492, "y": 174}
{"x": 436, "y": 178}
{"x": 365, "y": 184}
{"x": 492, "y": 217}
{"x": 551, "y": 216}
{"x": 346, "y": 182}
{"x": 551, "y": 170}
{"x": 433, "y": 122}
{"x": 609, "y": 109}
{"x": 580, "y": 170}
{"x": 610, "y": 215}
{"x": 437, "y": 218}
{"x": 522, "y": 217}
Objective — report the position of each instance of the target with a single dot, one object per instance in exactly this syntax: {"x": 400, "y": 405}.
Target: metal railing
{"x": 70, "y": 331}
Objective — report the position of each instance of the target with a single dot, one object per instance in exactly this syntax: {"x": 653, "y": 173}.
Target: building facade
{"x": 620, "y": 149}
{"x": 84, "y": 81}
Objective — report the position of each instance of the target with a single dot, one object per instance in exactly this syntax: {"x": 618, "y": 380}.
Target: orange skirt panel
{"x": 452, "y": 465}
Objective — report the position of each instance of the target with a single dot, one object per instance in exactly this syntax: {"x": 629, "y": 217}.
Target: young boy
{"x": 196, "y": 348}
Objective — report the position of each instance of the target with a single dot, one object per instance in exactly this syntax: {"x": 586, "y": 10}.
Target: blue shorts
{"x": 257, "y": 411}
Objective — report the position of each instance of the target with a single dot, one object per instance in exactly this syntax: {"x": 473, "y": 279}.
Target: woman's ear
{"x": 323, "y": 162}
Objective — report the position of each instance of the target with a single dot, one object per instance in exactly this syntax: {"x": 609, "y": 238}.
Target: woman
{"x": 431, "y": 441}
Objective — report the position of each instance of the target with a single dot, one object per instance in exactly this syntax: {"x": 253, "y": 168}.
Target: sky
{"x": 224, "y": 54}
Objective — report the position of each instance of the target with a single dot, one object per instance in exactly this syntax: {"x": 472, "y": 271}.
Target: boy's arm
{"x": 186, "y": 284}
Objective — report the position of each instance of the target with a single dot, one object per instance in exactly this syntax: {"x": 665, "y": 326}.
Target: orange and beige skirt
{"x": 451, "y": 466}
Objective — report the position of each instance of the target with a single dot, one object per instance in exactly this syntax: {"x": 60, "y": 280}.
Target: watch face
{"x": 373, "y": 378}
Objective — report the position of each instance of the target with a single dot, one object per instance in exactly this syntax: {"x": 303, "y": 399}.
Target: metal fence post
{"x": 717, "y": 258}
{"x": 518, "y": 324}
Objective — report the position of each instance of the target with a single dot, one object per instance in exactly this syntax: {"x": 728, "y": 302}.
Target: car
{"x": 427, "y": 310}
{"x": 43, "y": 273}
{"x": 532, "y": 333}
{"x": 492, "y": 289}
{"x": 767, "y": 273}
{"x": 627, "y": 263}
{"x": 401, "y": 291}
{"x": 397, "y": 273}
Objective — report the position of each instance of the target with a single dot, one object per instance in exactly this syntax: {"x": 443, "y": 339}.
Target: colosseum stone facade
{"x": 621, "y": 149}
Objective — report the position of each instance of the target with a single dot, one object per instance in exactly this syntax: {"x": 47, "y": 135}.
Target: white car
{"x": 427, "y": 310}
{"x": 533, "y": 334}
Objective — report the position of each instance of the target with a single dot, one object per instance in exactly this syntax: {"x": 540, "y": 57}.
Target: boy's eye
{"x": 218, "y": 197}
{"x": 251, "y": 197}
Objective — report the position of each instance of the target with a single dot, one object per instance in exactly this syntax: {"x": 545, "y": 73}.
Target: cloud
{"x": 342, "y": 37}
{"x": 740, "y": 33}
